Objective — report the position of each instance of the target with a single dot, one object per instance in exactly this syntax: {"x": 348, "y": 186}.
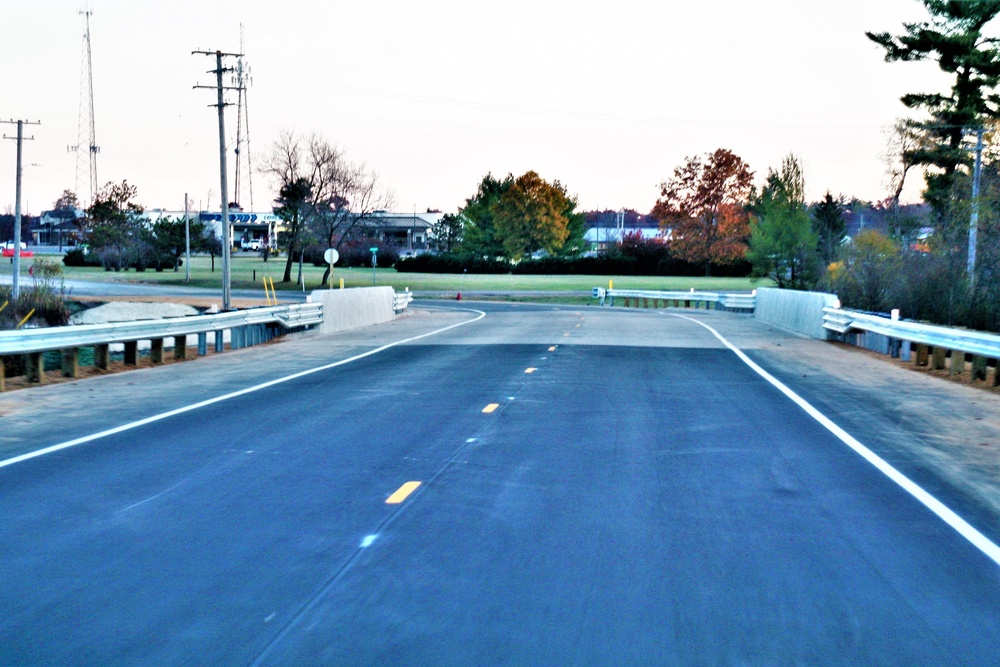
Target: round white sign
{"x": 331, "y": 256}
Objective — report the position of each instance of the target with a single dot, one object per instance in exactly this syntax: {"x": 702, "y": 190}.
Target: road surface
{"x": 574, "y": 486}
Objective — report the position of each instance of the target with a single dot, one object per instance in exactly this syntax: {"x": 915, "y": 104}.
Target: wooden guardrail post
{"x": 220, "y": 341}
{"x": 35, "y": 371}
{"x": 71, "y": 362}
{"x": 937, "y": 358}
{"x": 978, "y": 368}
{"x": 202, "y": 344}
{"x": 957, "y": 363}
{"x": 180, "y": 347}
{"x": 996, "y": 373}
{"x": 102, "y": 356}
{"x": 3, "y": 375}
{"x": 922, "y": 355}
{"x": 156, "y": 350}
{"x": 131, "y": 353}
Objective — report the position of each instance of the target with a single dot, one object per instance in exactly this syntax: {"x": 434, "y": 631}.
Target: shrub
{"x": 80, "y": 257}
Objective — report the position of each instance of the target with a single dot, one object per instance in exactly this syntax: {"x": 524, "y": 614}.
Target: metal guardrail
{"x": 722, "y": 300}
{"x": 400, "y": 300}
{"x": 28, "y": 341}
{"x": 843, "y": 321}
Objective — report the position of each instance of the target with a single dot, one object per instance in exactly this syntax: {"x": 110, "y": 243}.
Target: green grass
{"x": 248, "y": 271}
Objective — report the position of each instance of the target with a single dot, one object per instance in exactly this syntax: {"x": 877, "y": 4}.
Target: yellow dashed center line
{"x": 530, "y": 370}
{"x": 552, "y": 349}
{"x": 401, "y": 494}
{"x": 491, "y": 407}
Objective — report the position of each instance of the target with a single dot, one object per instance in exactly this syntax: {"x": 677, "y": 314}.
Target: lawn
{"x": 248, "y": 272}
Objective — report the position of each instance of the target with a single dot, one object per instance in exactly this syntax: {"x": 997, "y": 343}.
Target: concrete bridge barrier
{"x": 800, "y": 312}
{"x": 355, "y": 307}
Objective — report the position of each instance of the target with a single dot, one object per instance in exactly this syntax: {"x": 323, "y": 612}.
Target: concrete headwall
{"x": 801, "y": 312}
{"x": 355, "y": 307}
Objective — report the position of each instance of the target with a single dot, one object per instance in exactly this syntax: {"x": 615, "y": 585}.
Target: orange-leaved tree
{"x": 704, "y": 208}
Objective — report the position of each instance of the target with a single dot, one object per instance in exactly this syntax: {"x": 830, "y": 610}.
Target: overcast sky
{"x": 607, "y": 97}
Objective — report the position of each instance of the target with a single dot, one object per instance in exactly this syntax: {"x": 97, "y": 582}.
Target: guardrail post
{"x": 156, "y": 350}
{"x": 71, "y": 362}
{"x": 202, "y": 344}
{"x": 996, "y": 373}
{"x": 978, "y": 368}
{"x": 220, "y": 341}
{"x": 131, "y": 352}
{"x": 36, "y": 367}
{"x": 102, "y": 356}
{"x": 937, "y": 358}
{"x": 957, "y": 363}
{"x": 3, "y": 376}
{"x": 905, "y": 350}
{"x": 922, "y": 354}
{"x": 180, "y": 347}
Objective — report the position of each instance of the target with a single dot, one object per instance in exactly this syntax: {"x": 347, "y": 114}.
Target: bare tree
{"x": 903, "y": 142}
{"x": 342, "y": 195}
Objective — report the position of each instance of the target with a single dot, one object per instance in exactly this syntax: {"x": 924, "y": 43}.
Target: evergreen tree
{"x": 954, "y": 39}
{"x": 830, "y": 227}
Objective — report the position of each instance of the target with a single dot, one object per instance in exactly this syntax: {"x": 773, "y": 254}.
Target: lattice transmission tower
{"x": 86, "y": 112}
{"x": 244, "y": 158}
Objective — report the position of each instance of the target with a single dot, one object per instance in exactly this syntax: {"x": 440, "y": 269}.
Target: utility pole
{"x": 974, "y": 218}
{"x": 226, "y": 230}
{"x": 16, "y": 284}
{"x": 187, "y": 241}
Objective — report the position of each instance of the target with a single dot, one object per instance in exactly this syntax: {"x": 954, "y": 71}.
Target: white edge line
{"x": 978, "y": 540}
{"x": 164, "y": 415}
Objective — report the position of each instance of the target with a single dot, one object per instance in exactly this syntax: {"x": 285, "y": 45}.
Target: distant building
{"x": 602, "y": 238}
{"x": 409, "y": 232}
{"x": 59, "y": 227}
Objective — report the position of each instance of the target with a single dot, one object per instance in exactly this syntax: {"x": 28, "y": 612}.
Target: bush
{"x": 80, "y": 257}
{"x": 612, "y": 263}
{"x": 43, "y": 292}
{"x": 451, "y": 263}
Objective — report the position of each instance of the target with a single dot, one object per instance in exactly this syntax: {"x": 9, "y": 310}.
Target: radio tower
{"x": 244, "y": 166}
{"x": 87, "y": 97}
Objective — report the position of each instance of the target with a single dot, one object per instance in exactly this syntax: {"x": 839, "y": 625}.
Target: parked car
{"x": 9, "y": 245}
{"x": 250, "y": 244}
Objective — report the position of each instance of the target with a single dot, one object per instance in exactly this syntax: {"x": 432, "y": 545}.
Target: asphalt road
{"x": 596, "y": 487}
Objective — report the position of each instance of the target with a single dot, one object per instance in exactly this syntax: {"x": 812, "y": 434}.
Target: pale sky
{"x": 606, "y": 97}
